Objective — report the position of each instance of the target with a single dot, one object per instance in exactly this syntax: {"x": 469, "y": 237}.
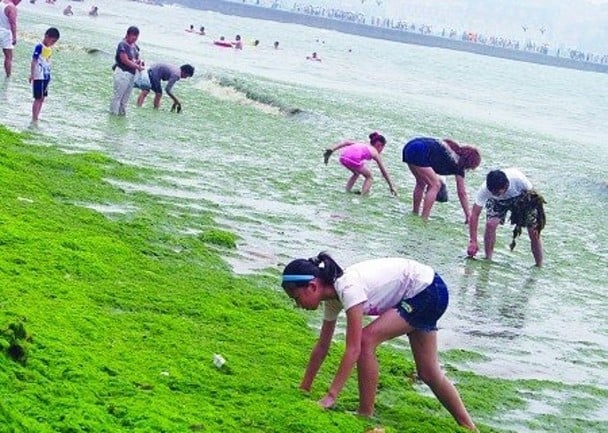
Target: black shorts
{"x": 40, "y": 88}
{"x": 155, "y": 85}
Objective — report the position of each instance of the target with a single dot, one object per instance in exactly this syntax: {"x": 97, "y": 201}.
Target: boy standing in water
{"x": 40, "y": 70}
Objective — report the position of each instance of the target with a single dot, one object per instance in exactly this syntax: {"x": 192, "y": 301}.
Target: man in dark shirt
{"x": 126, "y": 64}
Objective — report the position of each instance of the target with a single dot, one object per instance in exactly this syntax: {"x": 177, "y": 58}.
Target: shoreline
{"x": 365, "y": 30}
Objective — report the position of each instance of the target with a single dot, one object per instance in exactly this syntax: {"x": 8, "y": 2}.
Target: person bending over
{"x": 503, "y": 191}
{"x": 406, "y": 296}
{"x": 427, "y": 158}
{"x": 353, "y": 158}
{"x": 169, "y": 73}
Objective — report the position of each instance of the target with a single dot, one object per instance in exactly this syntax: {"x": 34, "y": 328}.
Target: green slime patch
{"x": 117, "y": 321}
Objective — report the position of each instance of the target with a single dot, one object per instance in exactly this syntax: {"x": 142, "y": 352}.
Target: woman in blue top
{"x": 427, "y": 159}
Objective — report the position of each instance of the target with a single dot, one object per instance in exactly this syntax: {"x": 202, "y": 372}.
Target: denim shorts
{"x": 423, "y": 310}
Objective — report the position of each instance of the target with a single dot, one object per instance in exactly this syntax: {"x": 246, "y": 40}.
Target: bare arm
{"x": 124, "y": 58}
{"x": 354, "y": 330}
{"x": 331, "y": 150}
{"x": 462, "y": 196}
{"x": 473, "y": 223}
{"x": 32, "y": 70}
{"x": 169, "y": 90}
{"x": 384, "y": 173}
{"x": 318, "y": 354}
{"x": 341, "y": 145}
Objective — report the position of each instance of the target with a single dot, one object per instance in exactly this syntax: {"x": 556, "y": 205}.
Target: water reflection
{"x": 495, "y": 296}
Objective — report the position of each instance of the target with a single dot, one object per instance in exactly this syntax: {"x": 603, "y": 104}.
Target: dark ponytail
{"x": 375, "y": 136}
{"x": 300, "y": 272}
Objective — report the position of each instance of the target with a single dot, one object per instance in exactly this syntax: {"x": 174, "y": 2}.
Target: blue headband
{"x": 294, "y": 278}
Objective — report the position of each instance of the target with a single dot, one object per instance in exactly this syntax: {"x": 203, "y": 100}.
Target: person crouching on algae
{"x": 353, "y": 158}
{"x": 164, "y": 72}
{"x": 508, "y": 190}
{"x": 408, "y": 297}
{"x": 427, "y": 158}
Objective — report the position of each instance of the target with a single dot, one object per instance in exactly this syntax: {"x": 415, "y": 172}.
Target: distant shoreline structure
{"x": 376, "y": 32}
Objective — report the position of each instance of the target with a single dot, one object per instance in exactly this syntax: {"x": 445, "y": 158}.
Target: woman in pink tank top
{"x": 353, "y": 157}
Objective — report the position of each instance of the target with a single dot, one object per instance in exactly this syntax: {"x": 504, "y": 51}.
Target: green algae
{"x": 119, "y": 319}
{"x": 219, "y": 237}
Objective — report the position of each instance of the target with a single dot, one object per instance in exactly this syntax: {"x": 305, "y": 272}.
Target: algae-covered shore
{"x": 111, "y": 310}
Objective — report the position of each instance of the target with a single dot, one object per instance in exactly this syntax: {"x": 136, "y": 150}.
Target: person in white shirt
{"x": 499, "y": 194}
{"x": 8, "y": 32}
{"x": 408, "y": 297}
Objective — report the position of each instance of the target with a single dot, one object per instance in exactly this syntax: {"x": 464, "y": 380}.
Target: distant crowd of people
{"x": 528, "y": 44}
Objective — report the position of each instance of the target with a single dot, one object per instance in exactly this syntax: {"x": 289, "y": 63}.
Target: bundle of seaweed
{"x": 528, "y": 211}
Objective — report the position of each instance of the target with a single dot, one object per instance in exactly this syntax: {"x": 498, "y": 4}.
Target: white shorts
{"x": 6, "y": 39}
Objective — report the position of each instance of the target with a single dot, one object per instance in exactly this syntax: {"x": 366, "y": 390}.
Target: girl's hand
{"x": 394, "y": 192}
{"x": 326, "y": 155}
{"x": 327, "y": 402}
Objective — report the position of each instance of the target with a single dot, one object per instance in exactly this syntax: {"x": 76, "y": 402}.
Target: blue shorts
{"x": 423, "y": 310}
{"x": 417, "y": 152}
{"x": 40, "y": 88}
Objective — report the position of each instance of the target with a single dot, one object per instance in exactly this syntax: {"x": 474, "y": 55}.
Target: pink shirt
{"x": 356, "y": 153}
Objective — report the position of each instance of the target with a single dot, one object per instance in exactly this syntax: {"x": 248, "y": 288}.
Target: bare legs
{"x": 142, "y": 97}
{"x": 489, "y": 240}
{"x": 536, "y": 245}
{"x": 8, "y": 62}
{"x": 427, "y": 186}
{"x": 367, "y": 183}
{"x": 157, "y": 97}
{"x": 424, "y": 347}
{"x": 36, "y": 107}
{"x": 489, "y": 236}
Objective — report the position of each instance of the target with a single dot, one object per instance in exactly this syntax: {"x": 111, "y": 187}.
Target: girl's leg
{"x": 389, "y": 325}
{"x": 425, "y": 177}
{"x": 418, "y": 190}
{"x": 367, "y": 183}
{"x": 424, "y": 349}
{"x": 351, "y": 180}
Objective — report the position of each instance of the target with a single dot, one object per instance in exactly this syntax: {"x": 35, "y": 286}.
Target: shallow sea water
{"x": 248, "y": 148}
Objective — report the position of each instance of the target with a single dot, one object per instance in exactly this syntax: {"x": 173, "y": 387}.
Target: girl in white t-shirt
{"x": 407, "y": 296}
